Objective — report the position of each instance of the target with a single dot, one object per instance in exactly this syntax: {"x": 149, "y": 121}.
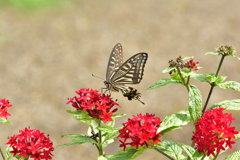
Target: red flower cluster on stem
{"x": 191, "y": 64}
{"x": 97, "y": 105}
{"x": 213, "y": 131}
{"x": 3, "y": 108}
{"x": 141, "y": 130}
{"x": 31, "y": 142}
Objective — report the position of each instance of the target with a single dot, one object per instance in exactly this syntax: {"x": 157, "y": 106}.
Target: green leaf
{"x": 197, "y": 154}
{"x": 163, "y": 82}
{"x": 188, "y": 150}
{"x": 220, "y": 79}
{"x": 234, "y": 155}
{"x": 236, "y": 57}
{"x": 186, "y": 58}
{"x": 129, "y": 153}
{"x": 212, "y": 53}
{"x": 117, "y": 115}
{"x": 106, "y": 143}
{"x": 9, "y": 155}
{"x": 175, "y": 120}
{"x": 78, "y": 139}
{"x": 76, "y": 112}
{"x": 200, "y": 77}
{"x": 175, "y": 76}
{"x": 228, "y": 104}
{"x": 195, "y": 103}
{"x": 170, "y": 129}
{"x": 211, "y": 77}
{"x": 171, "y": 149}
{"x": 84, "y": 118}
{"x": 230, "y": 85}
{"x": 168, "y": 69}
{"x": 3, "y": 120}
{"x": 237, "y": 136}
{"x": 102, "y": 158}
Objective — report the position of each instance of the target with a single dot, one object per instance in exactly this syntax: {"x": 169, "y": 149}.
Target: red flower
{"x": 31, "y": 142}
{"x": 97, "y": 105}
{"x": 213, "y": 131}
{"x": 191, "y": 64}
{"x": 3, "y": 108}
{"x": 141, "y": 130}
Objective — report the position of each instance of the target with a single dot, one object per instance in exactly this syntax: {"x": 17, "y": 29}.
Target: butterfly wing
{"x": 130, "y": 72}
{"x": 115, "y": 61}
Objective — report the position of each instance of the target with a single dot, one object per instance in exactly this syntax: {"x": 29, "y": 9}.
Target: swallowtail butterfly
{"x": 130, "y": 72}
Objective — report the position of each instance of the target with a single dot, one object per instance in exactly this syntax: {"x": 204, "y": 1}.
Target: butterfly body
{"x": 130, "y": 72}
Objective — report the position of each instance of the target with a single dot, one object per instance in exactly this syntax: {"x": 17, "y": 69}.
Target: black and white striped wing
{"x": 115, "y": 61}
{"x": 130, "y": 72}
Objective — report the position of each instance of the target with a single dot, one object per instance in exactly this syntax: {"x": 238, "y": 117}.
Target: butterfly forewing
{"x": 131, "y": 72}
{"x": 115, "y": 61}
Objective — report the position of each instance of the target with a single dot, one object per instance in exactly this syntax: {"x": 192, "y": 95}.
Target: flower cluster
{"x": 213, "y": 131}
{"x": 3, "y": 108}
{"x": 97, "y": 105}
{"x": 141, "y": 130}
{"x": 191, "y": 64}
{"x": 31, "y": 142}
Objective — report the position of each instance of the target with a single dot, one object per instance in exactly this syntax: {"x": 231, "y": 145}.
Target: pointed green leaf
{"x": 175, "y": 76}
{"x": 195, "y": 103}
{"x": 163, "y": 82}
{"x": 102, "y": 158}
{"x": 175, "y": 120}
{"x": 84, "y": 118}
{"x": 228, "y": 104}
{"x": 197, "y": 154}
{"x": 171, "y": 149}
{"x": 234, "y": 155}
{"x": 211, "y": 77}
{"x": 188, "y": 150}
{"x": 168, "y": 69}
{"x": 79, "y": 140}
{"x": 236, "y": 57}
{"x": 106, "y": 143}
{"x": 200, "y": 77}
{"x": 230, "y": 85}
{"x": 3, "y": 120}
{"x": 237, "y": 136}
{"x": 73, "y": 136}
{"x": 129, "y": 154}
{"x": 117, "y": 115}
{"x": 212, "y": 53}
{"x": 170, "y": 129}
{"x": 220, "y": 79}
{"x": 76, "y": 112}
{"x": 186, "y": 58}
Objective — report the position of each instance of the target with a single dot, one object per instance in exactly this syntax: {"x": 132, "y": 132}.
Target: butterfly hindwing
{"x": 131, "y": 72}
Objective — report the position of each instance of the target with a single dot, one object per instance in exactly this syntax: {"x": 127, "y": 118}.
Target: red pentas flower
{"x": 3, "y": 108}
{"x": 213, "y": 131}
{"x": 191, "y": 64}
{"x": 140, "y": 130}
{"x": 31, "y": 142}
{"x": 96, "y": 104}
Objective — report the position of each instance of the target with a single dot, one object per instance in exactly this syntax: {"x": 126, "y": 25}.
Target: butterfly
{"x": 130, "y": 72}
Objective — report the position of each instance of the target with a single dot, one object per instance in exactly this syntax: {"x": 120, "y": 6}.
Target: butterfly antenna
{"x": 98, "y": 77}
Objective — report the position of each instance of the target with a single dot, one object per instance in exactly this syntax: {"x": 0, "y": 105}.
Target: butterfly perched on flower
{"x": 130, "y": 72}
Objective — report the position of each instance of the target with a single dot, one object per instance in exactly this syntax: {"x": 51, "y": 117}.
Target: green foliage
{"x": 171, "y": 149}
{"x": 228, "y": 104}
{"x": 174, "y": 121}
{"x": 77, "y": 139}
{"x": 3, "y": 120}
{"x": 235, "y": 155}
{"x": 128, "y": 154}
{"x": 230, "y": 85}
{"x": 163, "y": 82}
{"x": 195, "y": 103}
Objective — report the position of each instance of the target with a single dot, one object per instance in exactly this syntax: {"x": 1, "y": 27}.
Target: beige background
{"x": 48, "y": 53}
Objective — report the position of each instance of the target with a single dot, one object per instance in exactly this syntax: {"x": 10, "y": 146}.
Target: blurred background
{"x": 50, "y": 48}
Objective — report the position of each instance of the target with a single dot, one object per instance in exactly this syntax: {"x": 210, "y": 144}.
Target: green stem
{"x": 213, "y": 84}
{"x": 157, "y": 149}
{"x": 100, "y": 139}
{"x": 183, "y": 80}
{"x": 2, "y": 153}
